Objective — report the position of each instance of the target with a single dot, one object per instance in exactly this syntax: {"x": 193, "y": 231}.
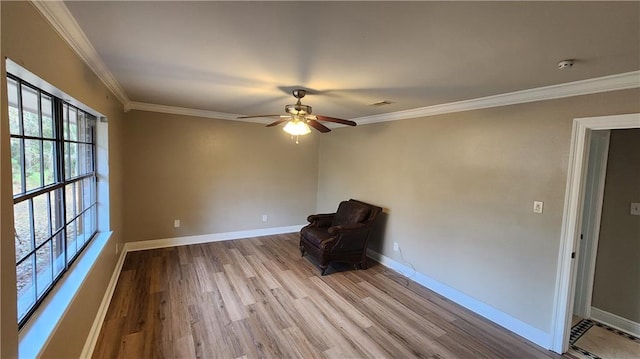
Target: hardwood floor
{"x": 257, "y": 297}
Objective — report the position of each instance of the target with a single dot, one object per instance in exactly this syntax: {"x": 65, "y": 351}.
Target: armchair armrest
{"x": 321, "y": 220}
{"x": 335, "y": 230}
{"x": 348, "y": 237}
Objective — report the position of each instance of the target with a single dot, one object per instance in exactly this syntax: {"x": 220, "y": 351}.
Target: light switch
{"x": 537, "y": 206}
{"x": 635, "y": 209}
{"x": 176, "y": 223}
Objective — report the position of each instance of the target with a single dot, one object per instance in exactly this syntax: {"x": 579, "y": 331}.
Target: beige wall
{"x": 616, "y": 287}
{"x": 28, "y": 40}
{"x": 213, "y": 175}
{"x": 459, "y": 191}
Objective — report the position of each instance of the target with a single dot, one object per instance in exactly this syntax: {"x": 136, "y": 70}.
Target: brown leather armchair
{"x": 340, "y": 236}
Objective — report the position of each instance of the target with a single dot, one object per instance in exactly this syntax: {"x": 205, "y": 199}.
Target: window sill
{"x": 36, "y": 332}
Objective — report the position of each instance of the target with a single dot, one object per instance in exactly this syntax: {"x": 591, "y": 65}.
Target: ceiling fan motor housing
{"x": 298, "y": 109}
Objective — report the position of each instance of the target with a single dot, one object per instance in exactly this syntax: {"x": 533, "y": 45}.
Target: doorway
{"x": 572, "y": 219}
{"x": 597, "y": 154}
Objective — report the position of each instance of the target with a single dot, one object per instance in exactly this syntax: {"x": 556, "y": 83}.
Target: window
{"x": 54, "y": 188}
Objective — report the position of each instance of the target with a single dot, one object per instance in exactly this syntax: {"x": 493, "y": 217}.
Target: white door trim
{"x": 596, "y": 173}
{"x": 565, "y": 278}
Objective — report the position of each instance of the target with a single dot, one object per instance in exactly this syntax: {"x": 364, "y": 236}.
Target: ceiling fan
{"x": 299, "y": 118}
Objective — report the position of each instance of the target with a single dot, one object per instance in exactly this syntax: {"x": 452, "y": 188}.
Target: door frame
{"x": 571, "y": 220}
{"x": 596, "y": 172}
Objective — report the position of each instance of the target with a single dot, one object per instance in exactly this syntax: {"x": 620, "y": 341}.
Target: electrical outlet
{"x": 264, "y": 218}
{"x": 176, "y": 223}
{"x": 396, "y": 246}
{"x": 635, "y": 209}
{"x": 537, "y": 206}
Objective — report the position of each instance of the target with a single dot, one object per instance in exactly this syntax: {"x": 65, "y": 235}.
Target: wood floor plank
{"x": 295, "y": 344}
{"x": 241, "y": 262}
{"x": 392, "y": 346}
{"x": 203, "y": 274}
{"x": 404, "y": 332}
{"x": 324, "y": 328}
{"x": 293, "y": 284}
{"x": 108, "y": 345}
{"x": 265, "y": 296}
{"x": 400, "y": 310}
{"x": 258, "y": 298}
{"x": 349, "y": 330}
{"x": 400, "y": 293}
{"x": 264, "y": 274}
{"x": 133, "y": 346}
{"x": 299, "y": 320}
{"x": 341, "y": 304}
{"x": 118, "y": 307}
{"x": 232, "y": 303}
{"x": 239, "y": 284}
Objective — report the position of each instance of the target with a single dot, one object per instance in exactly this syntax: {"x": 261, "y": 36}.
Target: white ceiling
{"x": 245, "y": 57}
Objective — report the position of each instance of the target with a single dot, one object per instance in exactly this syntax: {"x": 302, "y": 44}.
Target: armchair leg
{"x": 322, "y": 270}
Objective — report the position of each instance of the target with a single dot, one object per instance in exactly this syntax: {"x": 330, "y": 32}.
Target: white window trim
{"x": 40, "y": 327}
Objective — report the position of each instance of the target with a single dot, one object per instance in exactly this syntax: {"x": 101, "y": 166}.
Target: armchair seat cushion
{"x": 315, "y": 235}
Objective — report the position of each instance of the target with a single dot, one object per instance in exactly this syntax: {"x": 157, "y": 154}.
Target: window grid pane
{"x": 33, "y": 164}
{"x": 17, "y": 165}
{"x": 15, "y": 125}
{"x": 54, "y": 185}
{"x": 47, "y": 117}
{"x": 30, "y": 106}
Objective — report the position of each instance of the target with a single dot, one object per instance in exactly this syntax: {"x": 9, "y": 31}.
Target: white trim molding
{"x": 60, "y": 18}
{"x": 141, "y": 106}
{"x": 616, "y": 82}
{"x": 571, "y": 221}
{"x": 587, "y": 248}
{"x": 94, "y": 332}
{"x": 207, "y": 238}
{"x": 503, "y": 319}
{"x": 615, "y": 321}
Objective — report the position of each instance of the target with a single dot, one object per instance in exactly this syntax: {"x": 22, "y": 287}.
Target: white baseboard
{"x": 616, "y": 321}
{"x": 92, "y": 338}
{"x": 207, "y": 238}
{"x": 515, "y": 325}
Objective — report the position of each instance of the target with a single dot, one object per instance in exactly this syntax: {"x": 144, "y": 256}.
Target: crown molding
{"x": 58, "y": 15}
{"x": 616, "y": 82}
{"x": 627, "y": 80}
{"x": 142, "y": 106}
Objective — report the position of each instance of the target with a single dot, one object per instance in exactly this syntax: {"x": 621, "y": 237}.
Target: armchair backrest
{"x": 354, "y": 211}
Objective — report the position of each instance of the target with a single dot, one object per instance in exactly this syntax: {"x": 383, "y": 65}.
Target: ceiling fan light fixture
{"x": 296, "y": 128}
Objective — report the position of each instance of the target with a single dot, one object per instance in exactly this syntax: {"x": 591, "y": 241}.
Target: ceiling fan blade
{"x": 278, "y": 122}
{"x": 318, "y": 126}
{"x": 256, "y": 116}
{"x": 336, "y": 120}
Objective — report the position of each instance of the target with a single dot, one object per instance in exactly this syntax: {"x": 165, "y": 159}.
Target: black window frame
{"x": 64, "y": 179}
